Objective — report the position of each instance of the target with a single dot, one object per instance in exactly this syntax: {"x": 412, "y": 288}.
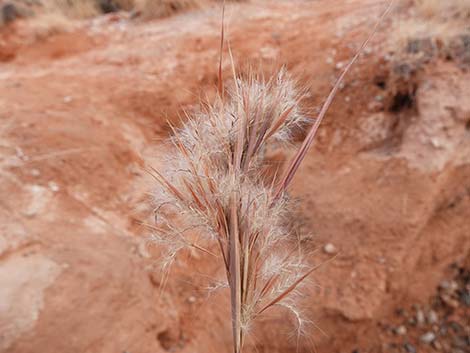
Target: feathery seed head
{"x": 212, "y": 185}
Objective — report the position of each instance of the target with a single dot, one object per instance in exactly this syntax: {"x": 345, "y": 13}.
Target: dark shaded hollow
{"x": 402, "y": 101}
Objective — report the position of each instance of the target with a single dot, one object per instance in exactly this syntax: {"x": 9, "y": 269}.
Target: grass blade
{"x": 300, "y": 155}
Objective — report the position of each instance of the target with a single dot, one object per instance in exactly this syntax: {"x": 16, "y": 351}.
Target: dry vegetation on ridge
{"x": 437, "y": 21}
{"x": 82, "y": 9}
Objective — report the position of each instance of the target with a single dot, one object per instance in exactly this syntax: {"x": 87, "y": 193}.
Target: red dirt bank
{"x": 80, "y": 112}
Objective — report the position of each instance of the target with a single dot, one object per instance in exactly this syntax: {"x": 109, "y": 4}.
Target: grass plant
{"x": 213, "y": 196}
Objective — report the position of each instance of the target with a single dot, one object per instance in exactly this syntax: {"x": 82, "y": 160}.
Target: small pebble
{"x": 428, "y": 337}
{"x": 465, "y": 298}
{"x": 53, "y": 186}
{"x": 444, "y": 284}
{"x": 443, "y": 330}
{"x": 329, "y": 248}
{"x": 401, "y": 330}
{"x": 432, "y": 317}
{"x": 420, "y": 319}
{"x": 437, "y": 345}
{"x": 457, "y": 328}
{"x": 379, "y": 98}
{"x": 436, "y": 143}
{"x": 67, "y": 99}
{"x": 449, "y": 286}
{"x": 409, "y": 348}
{"x": 449, "y": 301}
{"x": 35, "y": 172}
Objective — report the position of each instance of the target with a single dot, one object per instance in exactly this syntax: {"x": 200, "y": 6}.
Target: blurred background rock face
{"x": 87, "y": 90}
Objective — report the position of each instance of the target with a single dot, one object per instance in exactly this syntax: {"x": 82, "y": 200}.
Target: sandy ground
{"x": 81, "y": 112}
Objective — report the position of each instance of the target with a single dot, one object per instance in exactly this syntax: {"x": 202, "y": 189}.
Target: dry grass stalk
{"x": 213, "y": 184}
